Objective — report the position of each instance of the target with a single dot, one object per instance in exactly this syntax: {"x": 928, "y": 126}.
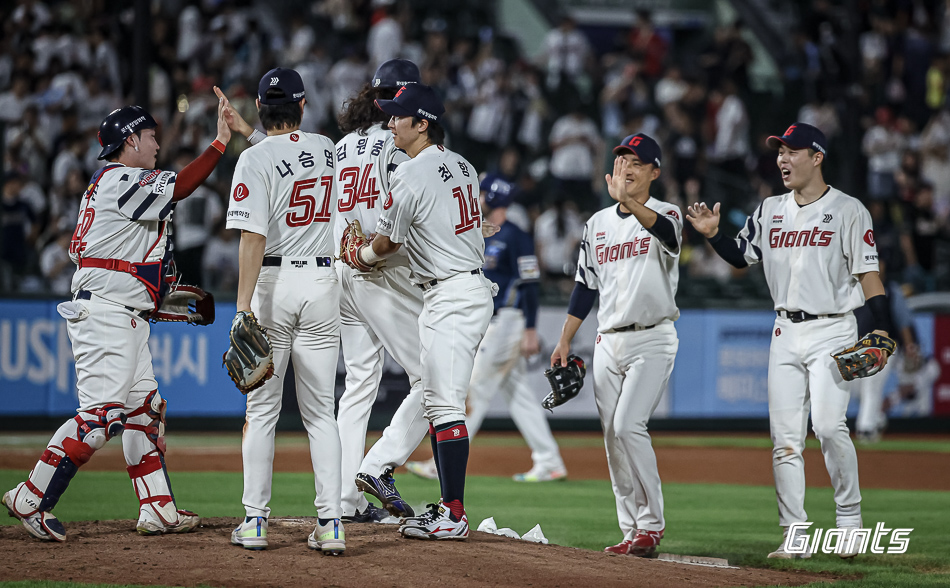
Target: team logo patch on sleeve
{"x": 240, "y": 192}
{"x": 869, "y": 238}
{"x": 162, "y": 182}
{"x": 389, "y": 201}
{"x": 239, "y": 214}
{"x": 148, "y": 177}
{"x": 674, "y": 214}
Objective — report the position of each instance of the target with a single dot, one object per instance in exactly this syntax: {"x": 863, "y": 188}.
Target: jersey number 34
{"x": 303, "y": 203}
{"x": 358, "y": 189}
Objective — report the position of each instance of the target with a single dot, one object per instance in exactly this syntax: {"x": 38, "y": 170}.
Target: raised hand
{"x": 617, "y": 180}
{"x": 233, "y": 118}
{"x": 703, "y": 219}
{"x": 224, "y": 132}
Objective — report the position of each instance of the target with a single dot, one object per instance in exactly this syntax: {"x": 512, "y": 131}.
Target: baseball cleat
{"x": 384, "y": 489}
{"x": 645, "y": 542}
{"x": 538, "y": 474}
{"x": 850, "y": 546}
{"x": 622, "y": 548}
{"x": 42, "y": 525}
{"x": 435, "y": 524}
{"x": 371, "y": 514}
{"x": 251, "y": 534}
{"x": 329, "y": 538}
{"x": 424, "y": 469}
{"x": 150, "y": 525}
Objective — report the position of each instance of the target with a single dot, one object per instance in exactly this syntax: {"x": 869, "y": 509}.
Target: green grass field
{"x": 739, "y": 523}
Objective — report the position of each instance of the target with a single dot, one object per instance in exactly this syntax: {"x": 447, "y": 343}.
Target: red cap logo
{"x": 788, "y": 131}
{"x": 240, "y": 192}
{"x": 399, "y": 92}
{"x": 869, "y": 238}
{"x": 635, "y": 141}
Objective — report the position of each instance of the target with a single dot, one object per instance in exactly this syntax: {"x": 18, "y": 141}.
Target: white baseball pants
{"x": 378, "y": 310}
{"x": 300, "y": 308}
{"x": 803, "y": 376}
{"x": 631, "y": 371}
{"x": 499, "y": 366}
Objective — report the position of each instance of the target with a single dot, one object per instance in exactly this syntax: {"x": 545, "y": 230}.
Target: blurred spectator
{"x": 935, "y": 160}
{"x": 193, "y": 222}
{"x": 385, "y": 36}
{"x": 625, "y": 91}
{"x": 671, "y": 87}
{"x": 14, "y": 101}
{"x": 346, "y": 77}
{"x": 922, "y": 230}
{"x": 18, "y": 227}
{"x": 575, "y": 146}
{"x": 882, "y": 144}
{"x": 557, "y": 234}
{"x": 57, "y": 267}
{"x": 646, "y": 44}
{"x": 219, "y": 262}
{"x": 567, "y": 54}
{"x": 730, "y": 144}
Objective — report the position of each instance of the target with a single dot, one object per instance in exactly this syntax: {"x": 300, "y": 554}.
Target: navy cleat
{"x": 384, "y": 489}
{"x": 372, "y": 514}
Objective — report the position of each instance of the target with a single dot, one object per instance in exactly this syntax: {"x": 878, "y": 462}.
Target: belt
{"x": 633, "y": 327}
{"x": 297, "y": 262}
{"x": 87, "y": 295}
{"x": 431, "y": 283}
{"x": 801, "y": 316}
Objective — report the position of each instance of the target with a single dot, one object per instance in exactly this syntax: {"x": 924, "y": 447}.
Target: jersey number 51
{"x": 302, "y": 196}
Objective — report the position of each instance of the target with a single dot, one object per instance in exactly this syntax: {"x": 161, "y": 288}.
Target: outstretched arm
{"x": 706, "y": 221}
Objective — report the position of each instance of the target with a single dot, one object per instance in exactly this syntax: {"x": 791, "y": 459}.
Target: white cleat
{"x": 251, "y": 534}
{"x": 435, "y": 524}
{"x": 329, "y": 538}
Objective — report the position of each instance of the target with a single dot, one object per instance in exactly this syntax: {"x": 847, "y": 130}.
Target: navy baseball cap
{"x": 396, "y": 73}
{"x": 800, "y": 136}
{"x": 499, "y": 192}
{"x": 121, "y": 124}
{"x": 644, "y": 147}
{"x": 414, "y": 100}
{"x": 284, "y": 79}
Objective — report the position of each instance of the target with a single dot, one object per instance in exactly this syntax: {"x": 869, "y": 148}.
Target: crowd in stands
{"x": 547, "y": 122}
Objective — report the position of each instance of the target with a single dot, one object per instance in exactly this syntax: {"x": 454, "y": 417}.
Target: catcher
{"x": 125, "y": 271}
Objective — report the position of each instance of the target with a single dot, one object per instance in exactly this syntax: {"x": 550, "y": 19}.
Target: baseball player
{"x": 284, "y": 200}
{"x": 500, "y": 363}
{"x": 432, "y": 209}
{"x": 630, "y": 255}
{"x": 817, "y": 247}
{"x": 125, "y": 266}
{"x": 379, "y": 309}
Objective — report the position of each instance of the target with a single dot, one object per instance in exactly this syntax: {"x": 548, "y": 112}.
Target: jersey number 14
{"x": 471, "y": 216}
{"x": 302, "y": 196}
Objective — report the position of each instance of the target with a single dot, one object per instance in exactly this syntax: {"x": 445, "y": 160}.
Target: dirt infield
{"x": 902, "y": 470}
{"x": 110, "y": 551}
{"x": 376, "y": 555}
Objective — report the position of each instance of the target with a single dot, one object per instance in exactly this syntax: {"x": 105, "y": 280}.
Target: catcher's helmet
{"x": 498, "y": 191}
{"x": 120, "y": 124}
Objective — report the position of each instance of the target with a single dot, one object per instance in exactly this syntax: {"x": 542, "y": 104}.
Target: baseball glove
{"x": 353, "y": 239}
{"x": 250, "y": 358}
{"x": 566, "y": 381}
{"x": 864, "y": 358}
{"x": 186, "y": 304}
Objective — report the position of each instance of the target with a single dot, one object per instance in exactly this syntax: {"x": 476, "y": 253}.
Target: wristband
{"x": 367, "y": 255}
{"x": 219, "y": 146}
{"x": 256, "y": 137}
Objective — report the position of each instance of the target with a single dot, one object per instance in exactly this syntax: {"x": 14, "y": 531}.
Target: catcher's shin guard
{"x": 71, "y": 446}
{"x": 144, "y": 446}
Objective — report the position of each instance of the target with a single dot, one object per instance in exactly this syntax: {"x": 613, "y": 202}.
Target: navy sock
{"x": 324, "y": 522}
{"x": 452, "y": 441}
{"x": 435, "y": 449}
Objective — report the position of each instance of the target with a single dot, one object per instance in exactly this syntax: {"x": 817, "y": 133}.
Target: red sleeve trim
{"x": 196, "y": 172}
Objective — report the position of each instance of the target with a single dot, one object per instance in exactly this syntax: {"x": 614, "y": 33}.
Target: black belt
{"x": 431, "y": 283}
{"x": 633, "y": 327}
{"x": 87, "y": 295}
{"x": 273, "y": 261}
{"x": 800, "y": 315}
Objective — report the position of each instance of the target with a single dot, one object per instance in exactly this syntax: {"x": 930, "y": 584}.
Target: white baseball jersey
{"x": 124, "y": 215}
{"x": 280, "y": 187}
{"x": 436, "y": 185}
{"x": 625, "y": 263}
{"x": 363, "y": 166}
{"x": 812, "y": 253}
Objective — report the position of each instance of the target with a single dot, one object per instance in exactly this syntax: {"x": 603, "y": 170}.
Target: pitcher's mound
{"x": 376, "y": 555}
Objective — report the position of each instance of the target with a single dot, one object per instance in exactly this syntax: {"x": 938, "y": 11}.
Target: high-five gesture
{"x": 616, "y": 181}
{"x": 703, "y": 219}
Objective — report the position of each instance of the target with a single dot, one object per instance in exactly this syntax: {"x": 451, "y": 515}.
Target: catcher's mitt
{"x": 353, "y": 239}
{"x": 566, "y": 381}
{"x": 864, "y": 358}
{"x": 186, "y": 304}
{"x": 250, "y": 358}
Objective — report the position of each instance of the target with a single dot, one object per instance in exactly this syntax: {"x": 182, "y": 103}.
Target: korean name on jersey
{"x": 281, "y": 187}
